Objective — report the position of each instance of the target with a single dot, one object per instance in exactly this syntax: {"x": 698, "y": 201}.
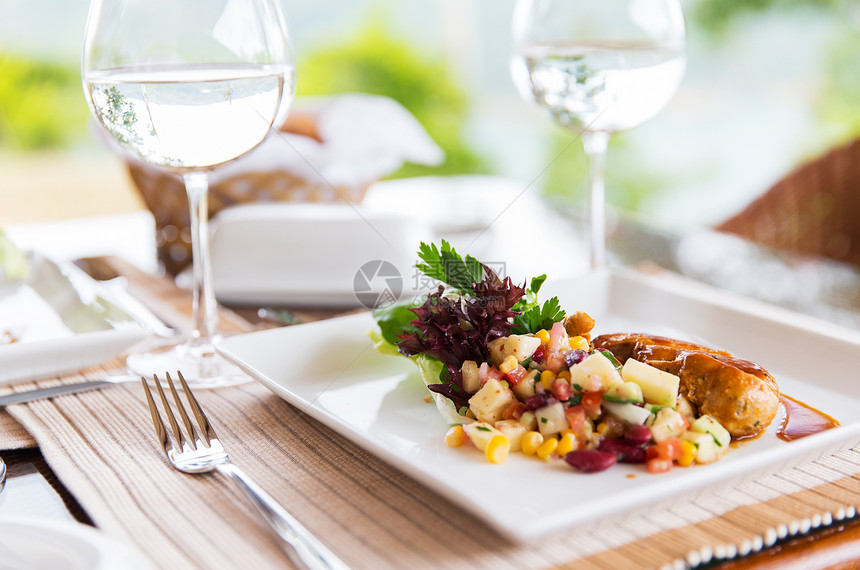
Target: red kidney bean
{"x": 637, "y": 434}
{"x": 625, "y": 451}
{"x": 590, "y": 460}
{"x": 574, "y": 357}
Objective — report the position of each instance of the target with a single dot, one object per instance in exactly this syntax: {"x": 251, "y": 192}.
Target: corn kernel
{"x": 543, "y": 335}
{"x": 688, "y": 453}
{"x": 498, "y": 449}
{"x": 566, "y": 444}
{"x": 531, "y": 441}
{"x": 602, "y": 428}
{"x": 578, "y": 343}
{"x": 546, "y": 379}
{"x": 564, "y": 374}
{"x": 508, "y": 364}
{"x": 546, "y": 448}
{"x": 456, "y": 436}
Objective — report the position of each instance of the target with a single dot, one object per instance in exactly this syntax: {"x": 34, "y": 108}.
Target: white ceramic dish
{"x": 318, "y": 254}
{"x": 331, "y": 371}
{"x": 41, "y": 544}
{"x": 62, "y": 325}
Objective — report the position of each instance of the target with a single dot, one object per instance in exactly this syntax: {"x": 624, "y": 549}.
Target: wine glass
{"x": 187, "y": 86}
{"x": 598, "y": 67}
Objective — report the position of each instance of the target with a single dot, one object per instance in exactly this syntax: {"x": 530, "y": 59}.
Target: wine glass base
{"x": 202, "y": 369}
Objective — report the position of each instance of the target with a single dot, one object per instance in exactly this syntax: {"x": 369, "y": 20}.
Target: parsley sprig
{"x": 533, "y": 316}
{"x": 449, "y": 267}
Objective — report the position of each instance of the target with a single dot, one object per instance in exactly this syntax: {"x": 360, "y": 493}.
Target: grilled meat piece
{"x": 739, "y": 394}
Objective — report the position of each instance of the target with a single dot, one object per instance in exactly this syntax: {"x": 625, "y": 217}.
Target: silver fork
{"x": 202, "y": 451}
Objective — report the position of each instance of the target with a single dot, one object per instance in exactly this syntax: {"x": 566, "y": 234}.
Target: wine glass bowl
{"x": 188, "y": 86}
{"x": 598, "y": 68}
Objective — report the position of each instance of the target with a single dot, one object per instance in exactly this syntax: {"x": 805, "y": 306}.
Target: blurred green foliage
{"x": 716, "y": 16}
{"x": 41, "y": 104}
{"x": 372, "y": 60}
{"x": 839, "y": 102}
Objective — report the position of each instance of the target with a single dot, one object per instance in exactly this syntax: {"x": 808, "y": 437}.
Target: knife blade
{"x": 43, "y": 393}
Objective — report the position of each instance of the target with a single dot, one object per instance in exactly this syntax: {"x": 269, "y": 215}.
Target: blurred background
{"x": 769, "y": 84}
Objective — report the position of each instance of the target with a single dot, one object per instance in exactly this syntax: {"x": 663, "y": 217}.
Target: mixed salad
{"x": 511, "y": 374}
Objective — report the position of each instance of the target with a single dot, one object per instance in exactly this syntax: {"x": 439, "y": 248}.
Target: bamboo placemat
{"x": 102, "y": 447}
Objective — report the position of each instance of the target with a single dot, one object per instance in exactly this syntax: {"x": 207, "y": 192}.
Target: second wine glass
{"x": 598, "y": 67}
{"x": 187, "y": 86}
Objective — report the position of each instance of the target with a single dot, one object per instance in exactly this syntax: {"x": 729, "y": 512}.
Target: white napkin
{"x": 366, "y": 137}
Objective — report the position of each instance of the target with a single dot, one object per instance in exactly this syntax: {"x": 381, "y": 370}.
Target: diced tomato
{"x": 657, "y": 465}
{"x": 493, "y": 372}
{"x": 668, "y": 450}
{"x": 515, "y": 375}
{"x": 576, "y": 418}
{"x": 514, "y": 410}
{"x": 561, "y": 389}
{"x": 591, "y": 402}
{"x": 520, "y": 410}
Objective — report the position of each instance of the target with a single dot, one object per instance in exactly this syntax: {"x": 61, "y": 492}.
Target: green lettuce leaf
{"x": 430, "y": 370}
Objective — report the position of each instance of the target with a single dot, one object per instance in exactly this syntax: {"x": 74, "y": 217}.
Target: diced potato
{"x": 513, "y": 430}
{"x": 630, "y": 413}
{"x": 666, "y": 424}
{"x": 519, "y": 346}
{"x": 480, "y": 433}
{"x": 707, "y": 424}
{"x": 529, "y": 421}
{"x": 489, "y": 402}
{"x": 595, "y": 366}
{"x": 551, "y": 419}
{"x": 525, "y": 388}
{"x": 658, "y": 387}
{"x": 471, "y": 381}
{"x": 706, "y": 447}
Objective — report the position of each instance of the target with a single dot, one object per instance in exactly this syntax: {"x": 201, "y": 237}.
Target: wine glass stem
{"x": 595, "y": 145}
{"x": 204, "y": 308}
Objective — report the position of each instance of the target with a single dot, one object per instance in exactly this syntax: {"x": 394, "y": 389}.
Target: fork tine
{"x": 205, "y": 427}
{"x": 192, "y": 433}
{"x": 160, "y": 432}
{"x": 180, "y": 439}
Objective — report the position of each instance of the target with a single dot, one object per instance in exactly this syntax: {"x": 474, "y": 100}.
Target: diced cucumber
{"x": 706, "y": 447}
{"x": 624, "y": 393}
{"x": 595, "y": 366}
{"x": 629, "y": 413}
{"x": 658, "y": 387}
{"x": 529, "y": 421}
{"x": 667, "y": 424}
{"x": 707, "y": 424}
{"x": 551, "y": 419}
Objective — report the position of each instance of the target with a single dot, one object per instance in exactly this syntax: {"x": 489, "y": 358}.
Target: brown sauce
{"x": 800, "y": 420}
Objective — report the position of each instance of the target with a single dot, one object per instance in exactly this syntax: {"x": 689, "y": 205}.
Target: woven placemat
{"x": 102, "y": 447}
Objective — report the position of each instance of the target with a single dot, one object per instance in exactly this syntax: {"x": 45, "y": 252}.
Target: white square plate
{"x": 331, "y": 371}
